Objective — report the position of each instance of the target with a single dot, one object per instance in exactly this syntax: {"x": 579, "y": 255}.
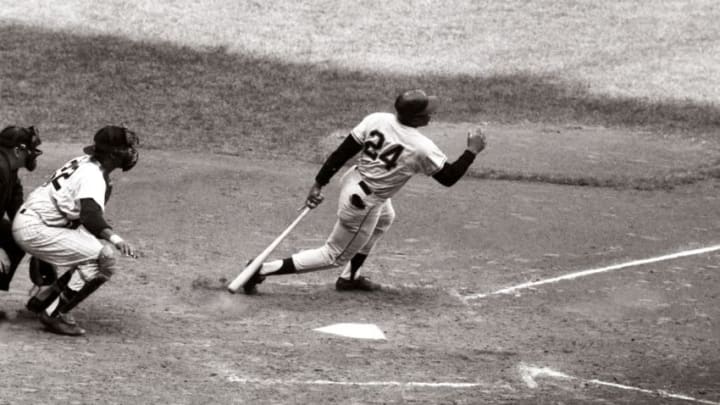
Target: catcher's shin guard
{"x": 47, "y": 294}
{"x": 69, "y": 299}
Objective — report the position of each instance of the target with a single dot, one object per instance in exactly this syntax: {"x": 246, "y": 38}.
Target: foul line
{"x": 595, "y": 271}
{"x": 461, "y": 385}
{"x": 529, "y": 373}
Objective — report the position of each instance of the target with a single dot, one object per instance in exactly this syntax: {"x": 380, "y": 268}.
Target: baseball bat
{"x": 254, "y": 266}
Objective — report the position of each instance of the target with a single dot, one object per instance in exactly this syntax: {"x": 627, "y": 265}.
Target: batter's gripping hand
{"x": 476, "y": 140}
{"x": 315, "y": 196}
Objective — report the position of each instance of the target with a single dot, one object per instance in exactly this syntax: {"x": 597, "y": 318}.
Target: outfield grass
{"x": 239, "y": 77}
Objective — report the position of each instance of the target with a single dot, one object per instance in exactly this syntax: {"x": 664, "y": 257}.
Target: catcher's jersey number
{"x": 375, "y": 143}
{"x": 63, "y": 173}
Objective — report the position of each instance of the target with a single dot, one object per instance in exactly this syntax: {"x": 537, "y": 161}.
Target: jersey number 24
{"x": 375, "y": 143}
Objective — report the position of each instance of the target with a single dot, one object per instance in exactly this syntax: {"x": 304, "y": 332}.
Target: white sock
{"x": 52, "y": 306}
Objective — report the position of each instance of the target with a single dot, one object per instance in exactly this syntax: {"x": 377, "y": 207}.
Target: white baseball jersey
{"x": 393, "y": 153}
{"x": 57, "y": 202}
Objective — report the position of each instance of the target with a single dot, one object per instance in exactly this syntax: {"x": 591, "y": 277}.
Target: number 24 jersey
{"x": 392, "y": 153}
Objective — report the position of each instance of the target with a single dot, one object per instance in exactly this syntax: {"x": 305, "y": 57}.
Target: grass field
{"x": 603, "y": 151}
{"x": 241, "y": 75}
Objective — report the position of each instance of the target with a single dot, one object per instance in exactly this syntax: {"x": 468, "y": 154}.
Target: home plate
{"x": 354, "y": 330}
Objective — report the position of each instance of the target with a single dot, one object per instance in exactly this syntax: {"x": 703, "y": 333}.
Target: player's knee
{"x": 386, "y": 220}
{"x": 342, "y": 259}
{"x": 107, "y": 261}
{"x": 332, "y": 255}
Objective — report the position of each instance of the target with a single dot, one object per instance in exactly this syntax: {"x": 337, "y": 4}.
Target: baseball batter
{"x": 392, "y": 150}
{"x": 62, "y": 222}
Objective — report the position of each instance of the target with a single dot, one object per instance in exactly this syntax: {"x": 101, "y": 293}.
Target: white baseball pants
{"x": 357, "y": 229}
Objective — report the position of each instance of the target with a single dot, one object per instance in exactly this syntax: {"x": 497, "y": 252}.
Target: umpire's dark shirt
{"x": 11, "y": 189}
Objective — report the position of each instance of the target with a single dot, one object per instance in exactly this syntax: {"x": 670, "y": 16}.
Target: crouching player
{"x": 62, "y": 222}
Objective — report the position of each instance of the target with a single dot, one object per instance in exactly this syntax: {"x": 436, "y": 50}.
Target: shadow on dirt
{"x": 311, "y": 298}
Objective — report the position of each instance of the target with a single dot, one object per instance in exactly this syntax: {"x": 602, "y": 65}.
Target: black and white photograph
{"x": 460, "y": 202}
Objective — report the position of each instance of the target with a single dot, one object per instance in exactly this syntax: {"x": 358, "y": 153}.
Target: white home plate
{"x": 354, "y": 330}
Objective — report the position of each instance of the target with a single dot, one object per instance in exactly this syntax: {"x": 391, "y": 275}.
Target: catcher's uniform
{"x": 392, "y": 153}
{"x": 47, "y": 225}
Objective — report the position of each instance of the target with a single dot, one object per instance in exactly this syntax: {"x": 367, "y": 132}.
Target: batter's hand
{"x": 315, "y": 196}
{"x": 476, "y": 139}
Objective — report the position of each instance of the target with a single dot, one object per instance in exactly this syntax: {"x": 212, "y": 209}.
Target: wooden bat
{"x": 254, "y": 266}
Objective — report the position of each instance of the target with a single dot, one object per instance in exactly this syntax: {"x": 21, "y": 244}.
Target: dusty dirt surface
{"x": 165, "y": 330}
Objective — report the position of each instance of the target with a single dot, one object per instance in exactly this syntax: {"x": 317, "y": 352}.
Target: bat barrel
{"x": 254, "y": 266}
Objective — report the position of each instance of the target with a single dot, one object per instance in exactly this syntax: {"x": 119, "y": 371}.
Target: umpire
{"x": 18, "y": 148}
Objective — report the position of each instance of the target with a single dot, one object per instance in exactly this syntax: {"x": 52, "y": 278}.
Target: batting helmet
{"x": 117, "y": 143}
{"x": 27, "y": 139}
{"x": 415, "y": 103}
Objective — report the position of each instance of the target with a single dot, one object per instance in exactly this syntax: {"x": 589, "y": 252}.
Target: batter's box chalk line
{"x": 531, "y": 374}
{"x": 584, "y": 273}
{"x": 233, "y": 377}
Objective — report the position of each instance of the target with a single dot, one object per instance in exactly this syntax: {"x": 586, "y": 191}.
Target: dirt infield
{"x": 166, "y": 331}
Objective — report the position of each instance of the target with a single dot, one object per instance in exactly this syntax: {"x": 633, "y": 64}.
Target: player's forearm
{"x": 452, "y": 172}
{"x": 91, "y": 217}
{"x": 349, "y": 148}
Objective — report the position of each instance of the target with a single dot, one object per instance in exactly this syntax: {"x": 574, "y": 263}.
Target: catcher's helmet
{"x": 116, "y": 142}
{"x": 27, "y": 139}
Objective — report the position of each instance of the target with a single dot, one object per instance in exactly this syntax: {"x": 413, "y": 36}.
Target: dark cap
{"x": 110, "y": 138}
{"x": 416, "y": 102}
{"x": 13, "y": 136}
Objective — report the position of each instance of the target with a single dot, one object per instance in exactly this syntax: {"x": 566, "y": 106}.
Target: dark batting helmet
{"x": 117, "y": 143}
{"x": 415, "y": 105}
{"x": 27, "y": 139}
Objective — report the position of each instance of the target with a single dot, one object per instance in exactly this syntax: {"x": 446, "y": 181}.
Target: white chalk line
{"x": 457, "y": 385}
{"x": 584, "y": 273}
{"x": 529, "y": 373}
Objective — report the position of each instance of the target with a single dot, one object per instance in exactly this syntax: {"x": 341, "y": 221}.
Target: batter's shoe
{"x": 250, "y": 287}
{"x": 61, "y": 324}
{"x": 358, "y": 284}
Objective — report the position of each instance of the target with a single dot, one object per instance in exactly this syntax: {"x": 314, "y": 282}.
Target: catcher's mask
{"x": 115, "y": 142}
{"x": 25, "y": 139}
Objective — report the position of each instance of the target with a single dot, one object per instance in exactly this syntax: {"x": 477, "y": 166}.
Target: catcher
{"x": 62, "y": 223}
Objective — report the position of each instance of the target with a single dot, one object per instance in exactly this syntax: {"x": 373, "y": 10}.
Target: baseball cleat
{"x": 61, "y": 324}
{"x": 358, "y": 284}
{"x": 250, "y": 287}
